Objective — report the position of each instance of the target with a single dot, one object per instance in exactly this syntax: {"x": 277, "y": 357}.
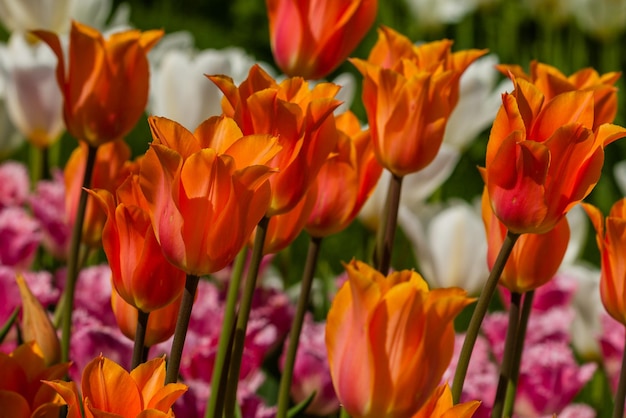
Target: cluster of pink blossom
{"x": 550, "y": 376}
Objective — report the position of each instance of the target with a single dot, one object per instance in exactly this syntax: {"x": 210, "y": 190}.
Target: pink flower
{"x": 48, "y": 206}
{"x": 311, "y": 372}
{"x": 20, "y": 236}
{"x": 612, "y": 348}
{"x": 14, "y": 184}
{"x": 549, "y": 379}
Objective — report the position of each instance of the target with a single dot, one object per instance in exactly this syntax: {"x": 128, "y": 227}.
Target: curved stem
{"x": 479, "y": 313}
{"x": 386, "y": 234}
{"x": 140, "y": 338}
{"x": 296, "y": 326}
{"x": 182, "y": 323}
{"x": 506, "y": 374}
{"x": 242, "y": 318}
{"x": 215, "y": 401}
{"x": 509, "y": 401}
{"x": 620, "y": 395}
{"x": 72, "y": 259}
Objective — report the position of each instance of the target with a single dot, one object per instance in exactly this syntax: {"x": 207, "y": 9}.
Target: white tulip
{"x": 450, "y": 246}
{"x": 33, "y": 98}
{"x": 181, "y": 91}
{"x": 480, "y": 97}
{"x": 601, "y": 18}
{"x": 25, "y": 15}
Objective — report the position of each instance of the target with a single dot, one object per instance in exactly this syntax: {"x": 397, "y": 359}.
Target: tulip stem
{"x": 72, "y": 258}
{"x": 620, "y": 395}
{"x": 386, "y": 234}
{"x": 296, "y": 326}
{"x": 140, "y": 338}
{"x": 509, "y": 401}
{"x": 245, "y": 306}
{"x": 215, "y": 402}
{"x": 182, "y": 324}
{"x": 479, "y": 313}
{"x": 506, "y": 374}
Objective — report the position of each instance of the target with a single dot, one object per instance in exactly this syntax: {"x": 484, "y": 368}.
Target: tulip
{"x": 22, "y": 393}
{"x": 110, "y": 170}
{"x": 161, "y": 322}
{"x": 553, "y": 82}
{"x": 22, "y": 16}
{"x": 409, "y": 93}
{"x": 33, "y": 98}
{"x": 346, "y": 181}
{"x": 105, "y": 84}
{"x": 440, "y": 405}
{"x": 109, "y": 390}
{"x": 299, "y": 115}
{"x": 36, "y": 325}
{"x": 611, "y": 239}
{"x": 140, "y": 273}
{"x": 389, "y": 340}
{"x": 283, "y": 229}
{"x": 179, "y": 89}
{"x": 535, "y": 258}
{"x": 543, "y": 156}
{"x": 205, "y": 191}
{"x": 604, "y": 20}
{"x": 311, "y": 39}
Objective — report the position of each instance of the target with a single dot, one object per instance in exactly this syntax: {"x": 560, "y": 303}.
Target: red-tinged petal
{"x": 110, "y": 388}
{"x": 13, "y": 405}
{"x": 529, "y": 100}
{"x": 173, "y": 135}
{"x": 519, "y": 201}
{"x": 508, "y": 122}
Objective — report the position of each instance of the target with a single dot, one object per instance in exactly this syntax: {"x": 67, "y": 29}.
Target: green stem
{"x": 479, "y": 313}
{"x": 9, "y": 324}
{"x": 72, "y": 261}
{"x": 386, "y": 234}
{"x": 620, "y": 395}
{"x": 296, "y": 326}
{"x": 344, "y": 413}
{"x": 508, "y": 355}
{"x": 215, "y": 402}
{"x": 182, "y": 324}
{"x": 242, "y": 318}
{"x": 140, "y": 338}
{"x": 509, "y": 401}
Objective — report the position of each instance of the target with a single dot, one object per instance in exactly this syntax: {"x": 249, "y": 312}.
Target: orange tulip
{"x": 311, "y": 38}
{"x": 104, "y": 82}
{"x": 543, "y": 156}
{"x": 206, "y": 191}
{"x": 140, "y": 272}
{"x": 109, "y": 390}
{"x": 161, "y": 322}
{"x": 611, "y": 239}
{"x": 535, "y": 258}
{"x": 409, "y": 92}
{"x": 22, "y": 393}
{"x": 283, "y": 229}
{"x": 345, "y": 181}
{"x": 440, "y": 406}
{"x": 389, "y": 340}
{"x": 302, "y": 119}
{"x": 110, "y": 170}
{"x": 37, "y": 326}
{"x": 553, "y": 82}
